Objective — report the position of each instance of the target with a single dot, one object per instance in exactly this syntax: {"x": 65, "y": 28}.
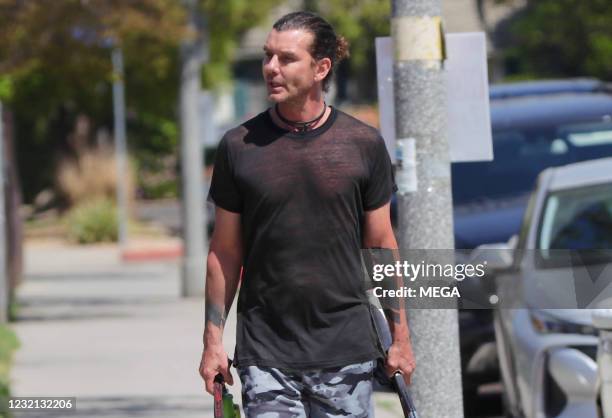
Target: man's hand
{"x": 401, "y": 358}
{"x": 215, "y": 361}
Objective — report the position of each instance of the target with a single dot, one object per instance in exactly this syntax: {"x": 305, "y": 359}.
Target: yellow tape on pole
{"x": 417, "y": 38}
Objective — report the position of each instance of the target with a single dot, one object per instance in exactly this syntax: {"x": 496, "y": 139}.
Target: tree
{"x": 227, "y": 23}
{"x": 360, "y": 22}
{"x": 55, "y": 65}
{"x": 559, "y": 38}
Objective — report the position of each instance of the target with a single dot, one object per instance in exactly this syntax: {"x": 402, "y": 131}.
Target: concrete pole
{"x": 120, "y": 144}
{"x": 191, "y": 161}
{"x": 424, "y": 196}
{"x": 4, "y": 287}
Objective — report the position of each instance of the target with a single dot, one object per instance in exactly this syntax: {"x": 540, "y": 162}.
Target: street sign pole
{"x": 120, "y": 144}
{"x": 424, "y": 195}
{"x": 192, "y": 52}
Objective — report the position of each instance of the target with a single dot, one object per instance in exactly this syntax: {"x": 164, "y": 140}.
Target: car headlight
{"x": 546, "y": 324}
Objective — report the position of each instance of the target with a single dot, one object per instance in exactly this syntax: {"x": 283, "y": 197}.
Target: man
{"x": 299, "y": 190}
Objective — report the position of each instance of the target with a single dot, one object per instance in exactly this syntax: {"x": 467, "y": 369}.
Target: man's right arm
{"x": 222, "y": 276}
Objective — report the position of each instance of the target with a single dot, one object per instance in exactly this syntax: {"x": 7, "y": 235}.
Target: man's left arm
{"x": 378, "y": 233}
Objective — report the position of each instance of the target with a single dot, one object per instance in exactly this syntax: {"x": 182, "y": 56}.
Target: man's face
{"x": 288, "y": 68}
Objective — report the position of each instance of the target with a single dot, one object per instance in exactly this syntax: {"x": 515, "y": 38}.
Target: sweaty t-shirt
{"x": 302, "y": 197}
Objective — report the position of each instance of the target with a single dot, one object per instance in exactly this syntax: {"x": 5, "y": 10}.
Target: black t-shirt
{"x": 302, "y": 302}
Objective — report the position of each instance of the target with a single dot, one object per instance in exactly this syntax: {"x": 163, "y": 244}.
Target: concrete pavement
{"x": 116, "y": 336}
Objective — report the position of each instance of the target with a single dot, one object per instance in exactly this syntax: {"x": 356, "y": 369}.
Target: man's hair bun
{"x": 342, "y": 49}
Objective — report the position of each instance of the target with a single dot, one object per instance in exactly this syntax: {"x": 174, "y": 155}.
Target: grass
{"x": 55, "y": 227}
{"x": 8, "y": 345}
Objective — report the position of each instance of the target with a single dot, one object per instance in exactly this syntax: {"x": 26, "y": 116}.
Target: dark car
{"x": 535, "y": 125}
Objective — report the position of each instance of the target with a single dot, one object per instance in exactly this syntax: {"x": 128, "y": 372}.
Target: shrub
{"x": 93, "y": 221}
{"x": 92, "y": 175}
{"x": 162, "y": 190}
{"x": 157, "y": 177}
{"x": 8, "y": 344}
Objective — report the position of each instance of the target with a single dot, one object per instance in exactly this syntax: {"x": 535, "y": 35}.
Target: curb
{"x": 152, "y": 254}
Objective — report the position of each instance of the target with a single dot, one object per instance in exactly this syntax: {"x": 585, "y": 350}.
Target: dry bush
{"x": 91, "y": 175}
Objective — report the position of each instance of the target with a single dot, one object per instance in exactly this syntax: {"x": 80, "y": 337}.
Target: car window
{"x": 588, "y": 141}
{"x": 519, "y": 157}
{"x": 578, "y": 219}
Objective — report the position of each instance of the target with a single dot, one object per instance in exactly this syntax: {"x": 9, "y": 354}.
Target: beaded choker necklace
{"x": 301, "y": 126}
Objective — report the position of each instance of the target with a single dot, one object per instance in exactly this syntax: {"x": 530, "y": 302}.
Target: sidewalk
{"x": 114, "y": 335}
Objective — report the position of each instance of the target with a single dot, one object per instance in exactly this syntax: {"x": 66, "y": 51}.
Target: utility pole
{"x": 193, "y": 205}
{"x": 424, "y": 195}
{"x": 120, "y": 143}
{"x": 3, "y": 249}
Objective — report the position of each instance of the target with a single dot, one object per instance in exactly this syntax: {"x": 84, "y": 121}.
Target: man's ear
{"x": 322, "y": 68}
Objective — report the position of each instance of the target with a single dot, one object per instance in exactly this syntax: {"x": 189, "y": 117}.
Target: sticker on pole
{"x": 406, "y": 166}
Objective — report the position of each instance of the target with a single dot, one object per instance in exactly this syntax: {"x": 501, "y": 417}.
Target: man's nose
{"x": 271, "y": 66}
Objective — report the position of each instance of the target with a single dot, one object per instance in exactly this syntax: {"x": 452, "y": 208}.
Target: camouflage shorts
{"x": 346, "y": 391}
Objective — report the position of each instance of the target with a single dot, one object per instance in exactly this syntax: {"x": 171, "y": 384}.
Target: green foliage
{"x": 157, "y": 178}
{"x": 164, "y": 189}
{"x": 227, "y": 22}
{"x": 563, "y": 38}
{"x": 94, "y": 221}
{"x": 13, "y": 308}
{"x": 6, "y": 87}
{"x": 360, "y": 22}
{"x": 8, "y": 345}
{"x": 55, "y": 64}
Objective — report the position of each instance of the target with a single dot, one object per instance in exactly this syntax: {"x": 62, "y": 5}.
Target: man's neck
{"x": 302, "y": 110}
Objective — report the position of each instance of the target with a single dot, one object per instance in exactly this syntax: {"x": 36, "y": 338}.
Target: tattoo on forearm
{"x": 215, "y": 314}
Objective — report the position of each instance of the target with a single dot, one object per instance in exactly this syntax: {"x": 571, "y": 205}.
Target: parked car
{"x": 547, "y": 348}
{"x": 535, "y": 125}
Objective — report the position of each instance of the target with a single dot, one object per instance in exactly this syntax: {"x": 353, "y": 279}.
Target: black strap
{"x": 300, "y": 126}
{"x": 397, "y": 381}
